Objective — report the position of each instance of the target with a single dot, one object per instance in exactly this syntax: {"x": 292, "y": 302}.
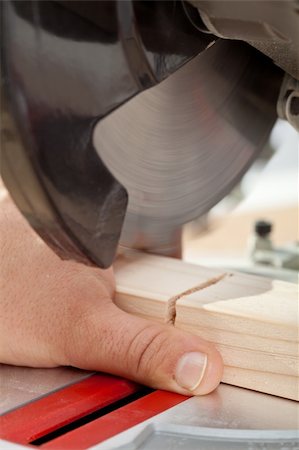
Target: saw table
{"x": 66, "y": 408}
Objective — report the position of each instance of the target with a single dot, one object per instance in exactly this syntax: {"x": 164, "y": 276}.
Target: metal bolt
{"x": 294, "y": 105}
{"x": 263, "y": 228}
{"x": 292, "y": 109}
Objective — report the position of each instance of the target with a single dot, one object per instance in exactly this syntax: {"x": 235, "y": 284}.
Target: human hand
{"x": 61, "y": 313}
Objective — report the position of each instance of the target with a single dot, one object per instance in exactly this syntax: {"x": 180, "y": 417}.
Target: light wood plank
{"x": 268, "y": 309}
{"x": 147, "y": 284}
{"x": 270, "y": 383}
{"x": 244, "y": 340}
{"x": 253, "y": 321}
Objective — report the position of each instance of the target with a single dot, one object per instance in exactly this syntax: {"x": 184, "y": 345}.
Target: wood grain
{"x": 252, "y": 320}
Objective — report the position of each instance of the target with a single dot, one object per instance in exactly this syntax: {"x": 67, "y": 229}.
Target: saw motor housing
{"x": 81, "y": 154}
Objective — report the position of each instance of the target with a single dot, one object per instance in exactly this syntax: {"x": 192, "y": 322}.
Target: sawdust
{"x": 171, "y": 310}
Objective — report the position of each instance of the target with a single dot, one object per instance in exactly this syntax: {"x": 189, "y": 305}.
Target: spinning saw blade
{"x": 172, "y": 151}
{"x": 181, "y": 146}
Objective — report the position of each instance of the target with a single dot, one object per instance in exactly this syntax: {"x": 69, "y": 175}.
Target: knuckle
{"x": 147, "y": 349}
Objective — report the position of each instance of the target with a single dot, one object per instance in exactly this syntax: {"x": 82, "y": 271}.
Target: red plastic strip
{"x": 43, "y": 416}
{"x": 115, "y": 422}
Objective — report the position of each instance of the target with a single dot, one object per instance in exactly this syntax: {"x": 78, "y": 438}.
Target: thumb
{"x": 110, "y": 340}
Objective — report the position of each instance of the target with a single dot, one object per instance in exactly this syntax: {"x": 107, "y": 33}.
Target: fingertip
{"x": 199, "y": 371}
{"x": 212, "y": 375}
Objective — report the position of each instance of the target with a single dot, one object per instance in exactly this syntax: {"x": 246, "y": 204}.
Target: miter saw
{"x": 122, "y": 121}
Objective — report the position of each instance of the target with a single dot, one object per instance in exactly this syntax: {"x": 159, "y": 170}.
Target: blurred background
{"x": 268, "y": 192}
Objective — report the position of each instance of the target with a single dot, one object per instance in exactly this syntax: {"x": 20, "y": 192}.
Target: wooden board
{"x": 147, "y": 284}
{"x": 253, "y": 321}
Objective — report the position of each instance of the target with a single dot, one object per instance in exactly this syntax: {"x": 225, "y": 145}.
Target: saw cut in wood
{"x": 252, "y": 321}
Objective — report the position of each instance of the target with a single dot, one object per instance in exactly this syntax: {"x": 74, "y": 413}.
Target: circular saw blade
{"x": 181, "y": 146}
